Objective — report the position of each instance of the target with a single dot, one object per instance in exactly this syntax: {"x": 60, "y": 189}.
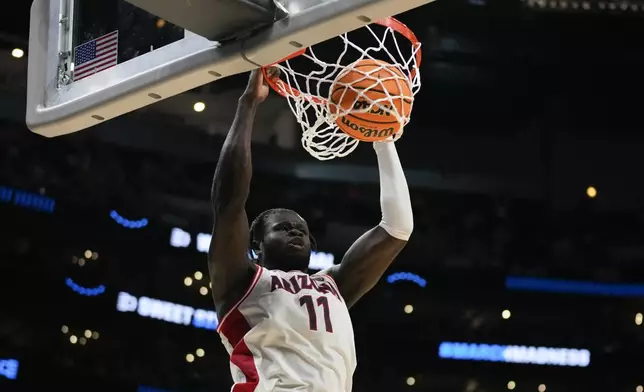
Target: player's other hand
{"x": 257, "y": 89}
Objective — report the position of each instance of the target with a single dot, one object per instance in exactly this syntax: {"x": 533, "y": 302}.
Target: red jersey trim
{"x": 243, "y": 358}
{"x": 258, "y": 274}
{"x": 234, "y": 331}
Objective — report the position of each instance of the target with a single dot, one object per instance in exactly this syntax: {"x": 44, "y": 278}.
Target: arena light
{"x": 29, "y": 200}
{"x": 90, "y": 255}
{"x": 78, "y": 261}
{"x": 179, "y": 238}
{"x": 639, "y": 318}
{"x": 320, "y": 261}
{"x": 584, "y": 6}
{"x": 199, "y": 107}
{"x": 80, "y": 338}
{"x": 591, "y": 192}
{"x": 6, "y": 194}
{"x": 9, "y": 368}
{"x": 574, "y": 287}
{"x": 511, "y": 385}
{"x": 552, "y": 356}
{"x": 167, "y": 311}
{"x": 85, "y": 291}
{"x": 411, "y": 381}
{"x": 409, "y": 309}
{"x": 18, "y": 53}
{"x": 200, "y": 352}
{"x": 542, "y": 388}
{"x": 128, "y": 223}
{"x": 506, "y": 314}
{"x": 407, "y": 276}
{"x": 203, "y": 242}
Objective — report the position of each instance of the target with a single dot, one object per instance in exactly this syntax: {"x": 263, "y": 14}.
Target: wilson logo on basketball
{"x": 378, "y": 109}
{"x": 368, "y": 132}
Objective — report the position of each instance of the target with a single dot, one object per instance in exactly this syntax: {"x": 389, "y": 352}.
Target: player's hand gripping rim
{"x": 257, "y": 89}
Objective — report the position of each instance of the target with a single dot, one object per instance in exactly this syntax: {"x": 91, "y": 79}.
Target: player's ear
{"x": 314, "y": 243}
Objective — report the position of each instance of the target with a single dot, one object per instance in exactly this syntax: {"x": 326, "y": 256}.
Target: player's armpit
{"x": 364, "y": 263}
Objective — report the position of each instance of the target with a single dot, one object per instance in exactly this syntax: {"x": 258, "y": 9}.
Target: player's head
{"x": 281, "y": 240}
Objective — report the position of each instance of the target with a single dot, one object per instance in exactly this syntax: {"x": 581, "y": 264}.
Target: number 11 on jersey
{"x": 322, "y": 302}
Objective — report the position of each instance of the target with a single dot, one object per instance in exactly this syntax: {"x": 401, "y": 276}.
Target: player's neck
{"x": 287, "y": 265}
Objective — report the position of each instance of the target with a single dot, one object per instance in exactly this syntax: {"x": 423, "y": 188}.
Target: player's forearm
{"x": 397, "y": 215}
{"x": 231, "y": 183}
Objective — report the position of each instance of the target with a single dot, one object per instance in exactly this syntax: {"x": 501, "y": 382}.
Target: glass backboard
{"x": 93, "y": 60}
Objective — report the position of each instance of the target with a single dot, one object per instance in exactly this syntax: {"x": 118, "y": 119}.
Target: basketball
{"x": 379, "y": 82}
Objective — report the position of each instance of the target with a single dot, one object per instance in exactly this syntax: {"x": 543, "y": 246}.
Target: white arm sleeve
{"x": 397, "y": 216}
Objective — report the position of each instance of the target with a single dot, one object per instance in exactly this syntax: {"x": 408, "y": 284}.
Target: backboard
{"x": 93, "y": 60}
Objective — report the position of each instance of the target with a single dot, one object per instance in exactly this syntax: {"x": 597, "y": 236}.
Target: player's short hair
{"x": 258, "y": 227}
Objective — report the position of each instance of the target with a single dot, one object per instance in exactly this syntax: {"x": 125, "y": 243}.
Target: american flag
{"x": 96, "y": 55}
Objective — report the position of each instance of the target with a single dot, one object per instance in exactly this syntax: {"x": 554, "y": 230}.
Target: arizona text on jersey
{"x": 290, "y": 332}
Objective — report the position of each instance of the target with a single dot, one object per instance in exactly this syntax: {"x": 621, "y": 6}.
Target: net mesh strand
{"x": 312, "y": 105}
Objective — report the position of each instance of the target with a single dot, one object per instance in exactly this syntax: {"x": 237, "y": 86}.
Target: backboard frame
{"x": 54, "y": 110}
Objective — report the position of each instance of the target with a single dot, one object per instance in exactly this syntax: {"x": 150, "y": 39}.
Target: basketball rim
{"x": 286, "y": 91}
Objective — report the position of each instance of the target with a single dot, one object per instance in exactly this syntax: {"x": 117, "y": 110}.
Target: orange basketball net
{"x": 308, "y": 91}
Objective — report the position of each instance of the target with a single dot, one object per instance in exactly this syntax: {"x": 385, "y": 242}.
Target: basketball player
{"x": 286, "y": 330}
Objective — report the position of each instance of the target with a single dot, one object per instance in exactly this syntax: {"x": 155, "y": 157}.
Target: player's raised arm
{"x": 228, "y": 263}
{"x": 369, "y": 257}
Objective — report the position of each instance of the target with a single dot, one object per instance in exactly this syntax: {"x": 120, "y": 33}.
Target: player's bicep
{"x": 228, "y": 261}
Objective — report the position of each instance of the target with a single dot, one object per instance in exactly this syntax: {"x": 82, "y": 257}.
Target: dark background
{"x": 523, "y": 106}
